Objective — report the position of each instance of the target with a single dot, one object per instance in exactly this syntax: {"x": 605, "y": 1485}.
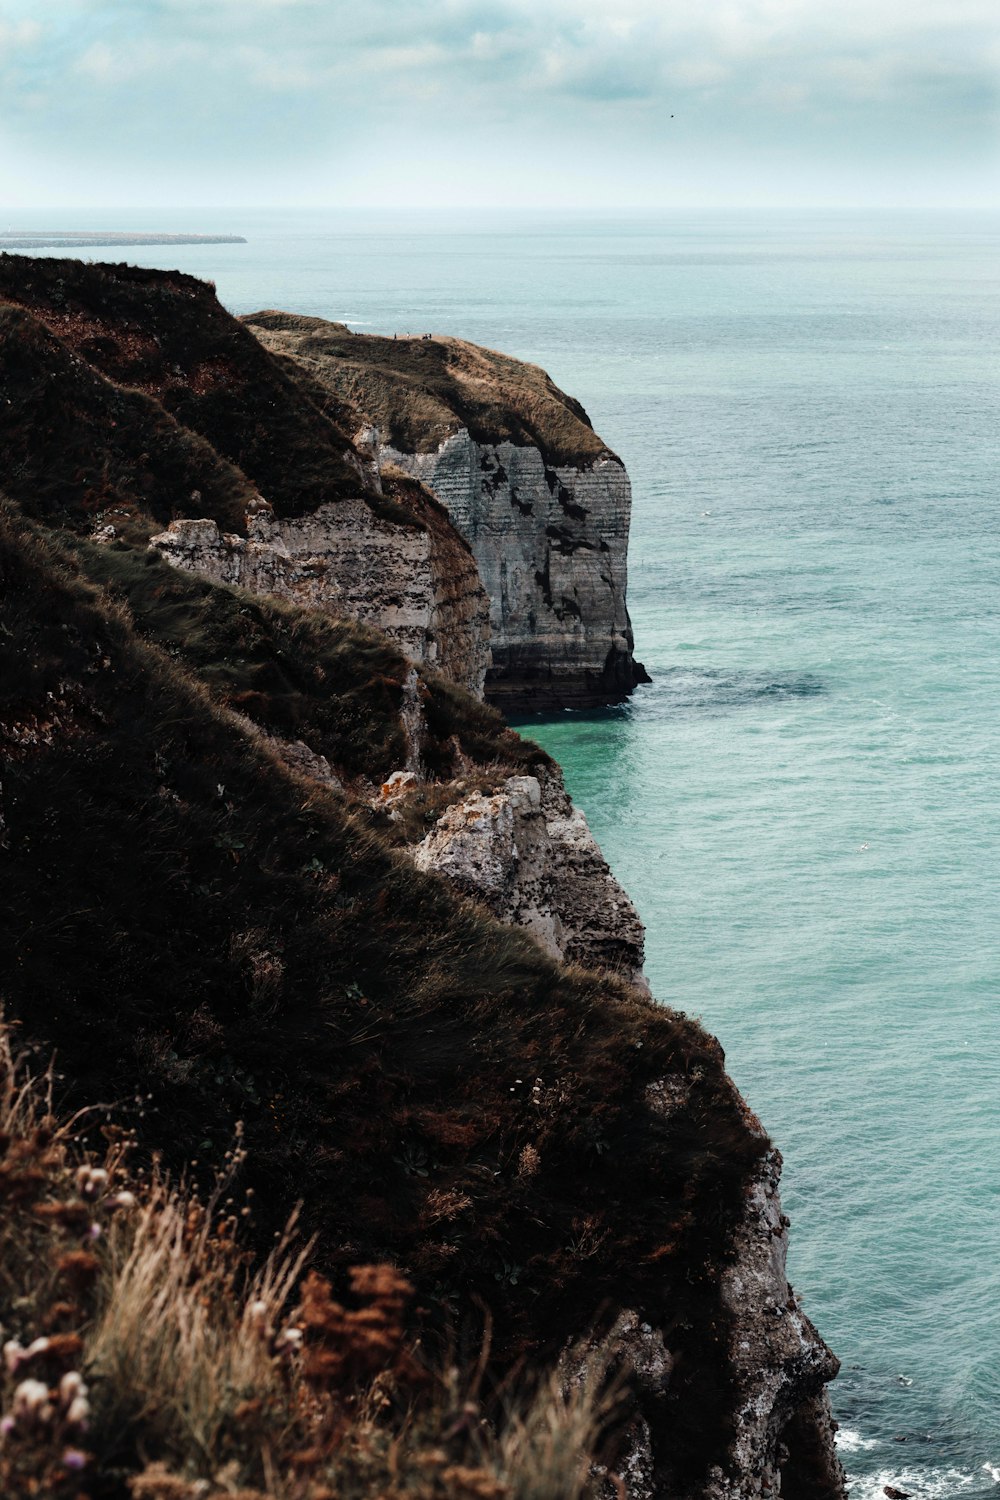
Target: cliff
{"x": 137, "y": 402}
{"x": 266, "y": 864}
{"x": 542, "y": 502}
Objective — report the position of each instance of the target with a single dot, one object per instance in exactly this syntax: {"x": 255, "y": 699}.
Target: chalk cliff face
{"x": 551, "y": 543}
{"x": 542, "y": 502}
{"x": 528, "y": 855}
{"x": 269, "y": 865}
{"x": 353, "y": 564}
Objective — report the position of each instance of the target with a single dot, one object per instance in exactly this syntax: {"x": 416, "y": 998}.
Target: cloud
{"x": 252, "y": 85}
{"x": 16, "y": 34}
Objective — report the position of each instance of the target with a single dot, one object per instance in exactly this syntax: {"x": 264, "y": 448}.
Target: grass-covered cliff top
{"x": 159, "y": 342}
{"x": 133, "y": 395}
{"x": 419, "y": 391}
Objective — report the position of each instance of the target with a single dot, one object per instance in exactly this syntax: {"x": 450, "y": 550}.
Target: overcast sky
{"x": 564, "y": 102}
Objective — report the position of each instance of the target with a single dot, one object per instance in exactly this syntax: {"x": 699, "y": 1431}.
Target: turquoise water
{"x": 805, "y": 802}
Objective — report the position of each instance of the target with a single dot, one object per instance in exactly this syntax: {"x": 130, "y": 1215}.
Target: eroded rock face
{"x": 528, "y": 854}
{"x": 551, "y": 544}
{"x": 542, "y": 502}
{"x": 352, "y": 563}
{"x": 780, "y": 1363}
{"x": 784, "y": 1443}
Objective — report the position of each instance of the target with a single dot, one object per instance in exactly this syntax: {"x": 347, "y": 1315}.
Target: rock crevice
{"x": 529, "y": 856}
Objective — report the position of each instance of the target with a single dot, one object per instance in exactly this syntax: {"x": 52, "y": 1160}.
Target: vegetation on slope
{"x": 166, "y": 335}
{"x": 334, "y": 684}
{"x": 74, "y": 447}
{"x": 188, "y": 919}
{"x": 146, "y": 1354}
{"x": 418, "y": 391}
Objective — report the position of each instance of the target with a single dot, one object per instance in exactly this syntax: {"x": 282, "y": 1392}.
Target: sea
{"x": 804, "y": 803}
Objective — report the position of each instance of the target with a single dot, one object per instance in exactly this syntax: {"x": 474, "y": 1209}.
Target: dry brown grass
{"x": 146, "y": 1355}
{"x": 420, "y": 391}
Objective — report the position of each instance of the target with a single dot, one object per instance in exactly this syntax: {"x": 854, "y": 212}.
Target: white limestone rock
{"x": 354, "y": 564}
{"x": 528, "y": 854}
{"x": 551, "y": 543}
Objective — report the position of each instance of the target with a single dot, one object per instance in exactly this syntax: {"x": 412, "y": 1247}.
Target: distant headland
{"x": 66, "y": 239}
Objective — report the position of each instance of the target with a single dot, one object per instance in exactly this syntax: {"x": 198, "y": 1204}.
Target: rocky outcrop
{"x": 528, "y": 854}
{"x": 779, "y": 1363}
{"x": 543, "y": 503}
{"x": 350, "y": 562}
{"x": 783, "y": 1430}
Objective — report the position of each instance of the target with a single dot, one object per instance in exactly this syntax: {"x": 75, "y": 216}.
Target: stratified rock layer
{"x": 352, "y": 563}
{"x": 551, "y": 546}
{"x": 543, "y": 503}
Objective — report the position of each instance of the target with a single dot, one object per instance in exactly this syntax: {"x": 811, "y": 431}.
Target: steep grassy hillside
{"x": 165, "y": 334}
{"x": 75, "y": 447}
{"x": 187, "y": 920}
{"x": 334, "y": 684}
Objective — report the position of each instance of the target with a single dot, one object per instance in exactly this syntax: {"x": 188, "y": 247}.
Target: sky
{"x": 533, "y": 103}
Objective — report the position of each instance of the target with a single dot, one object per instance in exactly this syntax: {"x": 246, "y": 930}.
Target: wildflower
{"x": 7, "y": 1425}
{"x": 31, "y": 1402}
{"x": 79, "y": 1412}
{"x": 74, "y": 1460}
{"x": 71, "y": 1386}
{"x": 91, "y": 1181}
{"x": 123, "y": 1200}
{"x": 13, "y": 1354}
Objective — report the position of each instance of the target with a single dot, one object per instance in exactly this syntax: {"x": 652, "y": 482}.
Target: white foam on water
{"x": 993, "y": 1470}
{"x": 922, "y": 1484}
{"x": 849, "y": 1441}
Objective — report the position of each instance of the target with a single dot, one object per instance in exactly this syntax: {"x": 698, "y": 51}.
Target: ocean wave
{"x": 849, "y": 1441}
{"x": 925, "y": 1483}
{"x": 711, "y": 688}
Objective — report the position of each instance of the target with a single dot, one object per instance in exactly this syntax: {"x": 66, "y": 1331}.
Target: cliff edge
{"x": 279, "y": 875}
{"x": 542, "y": 501}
